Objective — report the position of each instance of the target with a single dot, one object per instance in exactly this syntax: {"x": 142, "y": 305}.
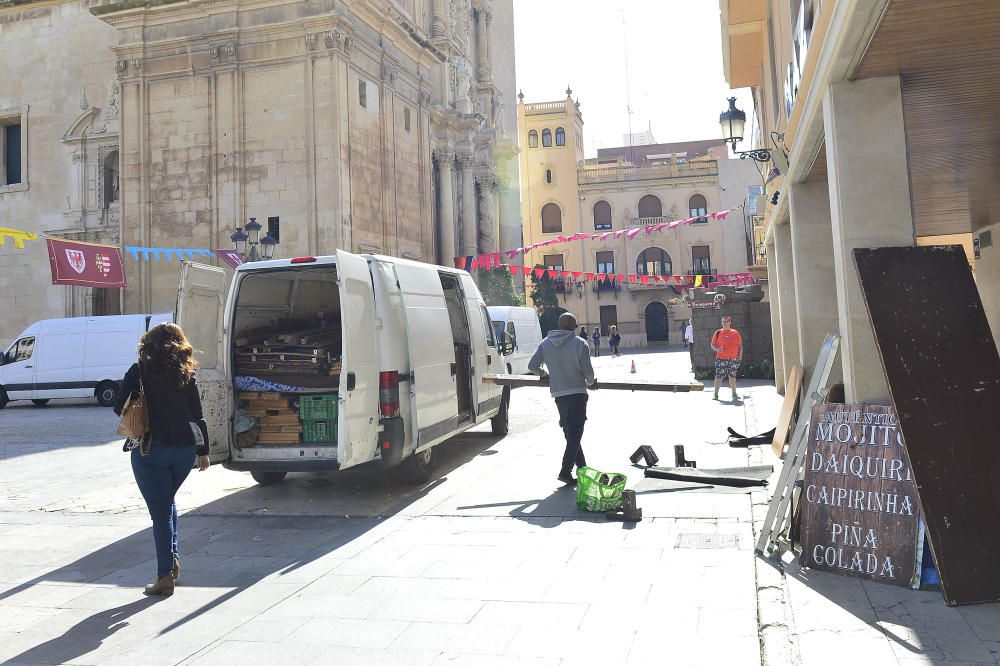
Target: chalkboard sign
{"x": 859, "y": 507}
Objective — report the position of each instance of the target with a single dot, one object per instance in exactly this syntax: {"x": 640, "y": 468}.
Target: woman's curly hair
{"x": 166, "y": 356}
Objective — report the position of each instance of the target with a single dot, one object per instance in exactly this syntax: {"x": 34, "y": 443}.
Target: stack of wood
{"x": 278, "y": 422}
{"x": 304, "y": 351}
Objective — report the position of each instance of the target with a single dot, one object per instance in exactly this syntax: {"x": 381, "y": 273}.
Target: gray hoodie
{"x": 567, "y": 360}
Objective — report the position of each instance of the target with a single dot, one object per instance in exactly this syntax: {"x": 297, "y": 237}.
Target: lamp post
{"x": 249, "y": 244}
{"x": 733, "y": 121}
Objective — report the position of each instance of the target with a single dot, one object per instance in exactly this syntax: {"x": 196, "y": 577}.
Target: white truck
{"x": 520, "y": 326}
{"x": 72, "y": 357}
{"x": 408, "y": 344}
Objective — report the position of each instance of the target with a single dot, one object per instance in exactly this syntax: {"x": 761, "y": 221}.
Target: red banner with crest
{"x": 85, "y": 264}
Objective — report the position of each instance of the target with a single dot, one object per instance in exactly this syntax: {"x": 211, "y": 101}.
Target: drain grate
{"x": 714, "y": 541}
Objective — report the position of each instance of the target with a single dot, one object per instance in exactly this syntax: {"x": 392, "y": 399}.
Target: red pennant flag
{"x": 644, "y": 279}
{"x": 589, "y": 276}
{"x": 85, "y": 264}
{"x": 539, "y": 272}
{"x": 552, "y": 273}
{"x": 633, "y": 278}
{"x": 621, "y": 277}
{"x": 576, "y": 275}
{"x": 602, "y": 276}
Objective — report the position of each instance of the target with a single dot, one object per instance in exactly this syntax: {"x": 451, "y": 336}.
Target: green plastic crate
{"x": 319, "y": 432}
{"x": 319, "y": 407}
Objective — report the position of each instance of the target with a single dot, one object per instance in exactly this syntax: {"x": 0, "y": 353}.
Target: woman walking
{"x": 597, "y": 341}
{"x": 178, "y": 437}
{"x": 614, "y": 340}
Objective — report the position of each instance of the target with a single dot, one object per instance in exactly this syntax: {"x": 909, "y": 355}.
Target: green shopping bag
{"x": 599, "y": 491}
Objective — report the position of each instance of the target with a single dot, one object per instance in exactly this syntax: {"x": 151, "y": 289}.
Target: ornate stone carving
{"x": 389, "y": 74}
{"x": 439, "y": 27}
{"x": 467, "y": 160}
{"x": 445, "y": 156}
{"x": 136, "y": 66}
{"x": 121, "y": 67}
{"x": 311, "y": 39}
{"x": 337, "y": 39}
{"x": 223, "y": 51}
{"x": 425, "y": 98}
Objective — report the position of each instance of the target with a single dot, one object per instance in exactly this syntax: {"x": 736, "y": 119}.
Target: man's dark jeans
{"x": 572, "y": 415}
{"x": 159, "y": 476}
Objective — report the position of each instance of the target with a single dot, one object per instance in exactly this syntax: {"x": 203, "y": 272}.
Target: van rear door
{"x": 486, "y": 356}
{"x": 357, "y": 418}
{"x": 431, "y": 349}
{"x": 200, "y": 312}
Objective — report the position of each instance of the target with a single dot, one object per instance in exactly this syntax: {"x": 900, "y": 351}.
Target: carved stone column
{"x": 487, "y": 213}
{"x": 485, "y": 17}
{"x": 469, "y": 226}
{"x": 445, "y": 162}
{"x": 439, "y": 27}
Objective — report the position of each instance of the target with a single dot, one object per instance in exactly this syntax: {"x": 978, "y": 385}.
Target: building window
{"x": 606, "y": 262}
{"x": 546, "y": 138}
{"x": 649, "y": 206}
{"x": 653, "y": 261}
{"x": 698, "y": 207}
{"x": 548, "y": 176}
{"x": 532, "y": 139}
{"x": 754, "y": 191}
{"x": 560, "y": 136}
{"x": 602, "y": 215}
{"x": 363, "y": 94}
{"x": 406, "y": 119}
{"x": 274, "y": 228}
{"x": 701, "y": 260}
{"x": 10, "y": 151}
{"x": 110, "y": 179}
{"x": 551, "y": 219}
{"x": 553, "y": 261}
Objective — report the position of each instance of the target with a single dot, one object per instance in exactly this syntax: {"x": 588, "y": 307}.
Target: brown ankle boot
{"x": 175, "y": 573}
{"x": 164, "y": 586}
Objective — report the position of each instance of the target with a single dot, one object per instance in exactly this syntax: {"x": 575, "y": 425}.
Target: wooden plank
{"x": 943, "y": 371}
{"x": 289, "y": 418}
{"x": 793, "y": 386}
{"x": 534, "y": 380}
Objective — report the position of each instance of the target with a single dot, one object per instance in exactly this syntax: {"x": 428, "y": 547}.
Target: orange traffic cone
{"x": 633, "y": 367}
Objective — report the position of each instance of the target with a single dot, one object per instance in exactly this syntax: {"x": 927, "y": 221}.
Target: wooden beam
{"x": 534, "y": 380}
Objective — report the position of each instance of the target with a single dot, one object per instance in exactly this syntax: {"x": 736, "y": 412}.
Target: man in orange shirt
{"x": 728, "y": 346}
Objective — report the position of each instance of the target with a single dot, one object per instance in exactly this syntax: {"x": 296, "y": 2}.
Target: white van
{"x": 520, "y": 326}
{"x": 390, "y": 352}
{"x": 75, "y": 357}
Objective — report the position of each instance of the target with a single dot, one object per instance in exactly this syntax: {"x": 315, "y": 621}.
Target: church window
{"x": 546, "y": 138}
{"x": 560, "y": 136}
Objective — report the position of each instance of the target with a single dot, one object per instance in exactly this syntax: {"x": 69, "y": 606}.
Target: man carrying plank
{"x": 567, "y": 363}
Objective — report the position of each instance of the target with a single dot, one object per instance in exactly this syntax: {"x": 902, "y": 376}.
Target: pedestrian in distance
{"x": 567, "y": 363}
{"x": 728, "y": 347}
{"x": 583, "y": 334}
{"x": 689, "y": 340}
{"x": 597, "y": 341}
{"x": 614, "y": 340}
{"x": 177, "y": 438}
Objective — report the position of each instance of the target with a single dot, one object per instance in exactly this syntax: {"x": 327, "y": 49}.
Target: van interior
{"x": 287, "y": 357}
{"x": 461, "y": 336}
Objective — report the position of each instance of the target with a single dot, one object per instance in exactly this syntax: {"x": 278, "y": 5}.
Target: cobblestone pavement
{"x": 491, "y": 563}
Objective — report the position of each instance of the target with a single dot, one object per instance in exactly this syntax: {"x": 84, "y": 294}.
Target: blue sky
{"x": 676, "y": 85}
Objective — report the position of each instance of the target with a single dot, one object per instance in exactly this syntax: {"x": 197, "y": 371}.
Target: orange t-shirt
{"x": 730, "y": 342}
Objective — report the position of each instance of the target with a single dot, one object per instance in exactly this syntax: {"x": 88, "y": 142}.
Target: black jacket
{"x": 171, "y": 410}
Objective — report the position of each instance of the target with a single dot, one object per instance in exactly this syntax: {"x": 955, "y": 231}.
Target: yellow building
{"x": 562, "y": 193}
{"x": 880, "y": 116}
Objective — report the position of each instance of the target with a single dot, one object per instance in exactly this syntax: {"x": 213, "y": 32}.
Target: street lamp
{"x": 579, "y": 289}
{"x": 733, "y": 121}
{"x": 249, "y": 244}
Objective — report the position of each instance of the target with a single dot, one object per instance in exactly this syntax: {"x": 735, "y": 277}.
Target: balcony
{"x": 618, "y": 174}
{"x": 639, "y": 286}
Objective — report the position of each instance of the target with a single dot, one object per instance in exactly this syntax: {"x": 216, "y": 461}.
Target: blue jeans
{"x": 159, "y": 476}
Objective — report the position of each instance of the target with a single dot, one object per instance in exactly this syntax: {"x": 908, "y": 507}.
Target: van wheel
{"x": 41, "y": 403}
{"x": 3, "y": 398}
{"x": 501, "y": 422}
{"x": 268, "y": 478}
{"x": 107, "y": 393}
{"x": 418, "y": 467}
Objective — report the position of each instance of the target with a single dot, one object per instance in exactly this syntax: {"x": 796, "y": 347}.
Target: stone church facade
{"x": 381, "y": 126}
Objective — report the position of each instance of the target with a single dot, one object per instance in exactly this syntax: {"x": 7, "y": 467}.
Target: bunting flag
{"x": 16, "y": 235}
{"x": 231, "y": 257}
{"x": 683, "y": 281}
{"x": 166, "y": 253}
{"x": 697, "y": 280}
{"x": 85, "y": 264}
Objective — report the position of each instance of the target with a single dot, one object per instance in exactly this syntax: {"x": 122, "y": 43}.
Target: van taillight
{"x": 303, "y": 260}
{"x": 388, "y": 393}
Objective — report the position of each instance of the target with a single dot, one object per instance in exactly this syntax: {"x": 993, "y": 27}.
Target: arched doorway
{"x": 656, "y": 322}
